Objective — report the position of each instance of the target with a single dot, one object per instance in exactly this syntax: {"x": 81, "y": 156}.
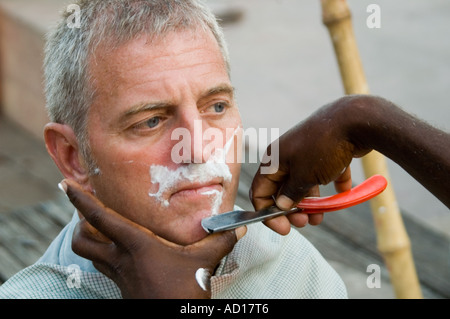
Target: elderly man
{"x": 124, "y": 90}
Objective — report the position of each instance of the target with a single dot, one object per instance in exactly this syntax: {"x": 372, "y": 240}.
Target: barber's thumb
{"x": 284, "y": 202}
{"x": 230, "y": 237}
{"x": 221, "y": 244}
{"x": 289, "y": 195}
{"x": 240, "y": 232}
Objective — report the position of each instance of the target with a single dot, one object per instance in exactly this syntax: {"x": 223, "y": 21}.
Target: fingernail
{"x": 63, "y": 186}
{"x": 284, "y": 202}
{"x": 240, "y": 232}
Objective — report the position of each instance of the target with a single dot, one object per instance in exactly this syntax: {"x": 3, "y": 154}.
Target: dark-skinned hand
{"x": 315, "y": 152}
{"x": 142, "y": 264}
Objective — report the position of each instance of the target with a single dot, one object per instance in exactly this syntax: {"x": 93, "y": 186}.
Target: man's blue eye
{"x": 219, "y": 107}
{"x": 153, "y": 122}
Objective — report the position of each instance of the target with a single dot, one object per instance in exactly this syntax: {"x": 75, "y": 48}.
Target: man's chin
{"x": 197, "y": 236}
{"x": 187, "y": 229}
{"x": 189, "y": 236}
{"x": 185, "y": 226}
{"x": 197, "y": 232}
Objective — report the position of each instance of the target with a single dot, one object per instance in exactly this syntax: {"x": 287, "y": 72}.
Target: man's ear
{"x": 62, "y": 145}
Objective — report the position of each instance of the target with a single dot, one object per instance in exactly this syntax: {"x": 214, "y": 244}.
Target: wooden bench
{"x": 26, "y": 233}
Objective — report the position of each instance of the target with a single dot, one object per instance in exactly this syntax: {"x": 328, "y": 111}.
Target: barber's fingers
{"x": 122, "y": 231}
{"x": 344, "y": 181}
{"x": 291, "y": 192}
{"x": 92, "y": 232}
{"x": 216, "y": 246}
{"x": 90, "y": 244}
{"x": 282, "y": 224}
{"x": 264, "y": 188}
{"x": 299, "y": 219}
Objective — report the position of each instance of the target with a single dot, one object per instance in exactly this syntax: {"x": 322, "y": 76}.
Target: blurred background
{"x": 283, "y": 68}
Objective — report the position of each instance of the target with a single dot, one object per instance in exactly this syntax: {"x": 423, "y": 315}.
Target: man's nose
{"x": 195, "y": 126}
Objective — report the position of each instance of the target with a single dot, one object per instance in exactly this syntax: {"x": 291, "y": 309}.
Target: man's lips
{"x": 193, "y": 190}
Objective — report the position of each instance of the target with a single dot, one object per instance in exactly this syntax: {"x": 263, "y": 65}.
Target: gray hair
{"x": 68, "y": 85}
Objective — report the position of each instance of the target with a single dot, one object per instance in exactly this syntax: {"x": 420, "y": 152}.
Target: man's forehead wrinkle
{"x": 164, "y": 51}
{"x": 130, "y": 77}
{"x": 138, "y": 65}
{"x": 185, "y": 55}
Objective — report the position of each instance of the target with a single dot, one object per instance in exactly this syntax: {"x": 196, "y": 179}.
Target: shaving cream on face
{"x": 216, "y": 200}
{"x": 201, "y": 173}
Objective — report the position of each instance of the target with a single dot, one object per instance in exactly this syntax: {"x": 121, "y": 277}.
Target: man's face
{"x": 145, "y": 92}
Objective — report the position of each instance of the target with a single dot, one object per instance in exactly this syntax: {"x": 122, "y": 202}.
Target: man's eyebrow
{"x": 142, "y": 107}
{"x": 220, "y": 89}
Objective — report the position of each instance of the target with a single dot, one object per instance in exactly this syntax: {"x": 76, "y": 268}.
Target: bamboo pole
{"x": 392, "y": 240}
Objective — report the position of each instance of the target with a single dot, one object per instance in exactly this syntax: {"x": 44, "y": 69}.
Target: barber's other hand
{"x": 315, "y": 152}
{"x": 142, "y": 264}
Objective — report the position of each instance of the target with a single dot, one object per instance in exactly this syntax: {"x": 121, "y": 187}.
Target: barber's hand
{"x": 142, "y": 264}
{"x": 315, "y": 152}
